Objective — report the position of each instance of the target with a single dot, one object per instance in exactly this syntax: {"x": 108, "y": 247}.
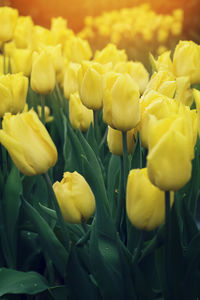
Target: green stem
{"x": 125, "y": 158}
{"x": 96, "y": 125}
{"x": 167, "y": 244}
{"x": 61, "y": 221}
{"x": 60, "y": 98}
{"x": 120, "y": 195}
{"x": 42, "y": 109}
{"x": 139, "y": 247}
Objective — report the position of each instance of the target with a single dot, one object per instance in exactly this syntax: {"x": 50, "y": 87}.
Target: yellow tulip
{"x": 13, "y": 92}
{"x": 77, "y": 49}
{"x": 80, "y": 116}
{"x": 196, "y": 94}
{"x": 121, "y": 107}
{"x": 21, "y": 61}
{"x": 163, "y": 63}
{"x": 171, "y": 150}
{"x": 28, "y": 143}
{"x": 183, "y": 90}
{"x": 110, "y": 54}
{"x": 163, "y": 82}
{"x": 23, "y": 32}
{"x": 43, "y": 76}
{"x": 70, "y": 82}
{"x": 136, "y": 70}
{"x": 145, "y": 203}
{"x": 59, "y": 30}
{"x": 91, "y": 86}
{"x": 114, "y": 140}
{"x": 8, "y": 20}
{"x": 41, "y": 37}
{"x": 75, "y": 198}
{"x": 186, "y": 60}
{"x": 55, "y": 52}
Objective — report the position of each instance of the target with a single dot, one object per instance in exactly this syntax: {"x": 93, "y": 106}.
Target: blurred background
{"x": 138, "y": 26}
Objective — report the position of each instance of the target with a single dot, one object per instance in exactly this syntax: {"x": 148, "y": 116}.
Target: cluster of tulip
{"x": 138, "y": 29}
{"x": 88, "y": 227}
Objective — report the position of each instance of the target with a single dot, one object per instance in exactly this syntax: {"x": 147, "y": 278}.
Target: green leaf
{"x": 112, "y": 180}
{"x": 12, "y": 204}
{"x": 48, "y": 239}
{"x": 16, "y": 282}
{"x": 78, "y": 276}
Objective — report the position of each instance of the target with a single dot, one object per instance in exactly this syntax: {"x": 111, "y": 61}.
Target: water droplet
{"x": 28, "y": 233}
{"x": 35, "y": 284}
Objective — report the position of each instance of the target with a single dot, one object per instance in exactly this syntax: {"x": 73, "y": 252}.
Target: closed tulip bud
{"x": 8, "y": 20}
{"x": 43, "y": 77}
{"x": 145, "y": 203}
{"x": 186, "y": 60}
{"x": 161, "y": 108}
{"x": 110, "y": 54}
{"x": 77, "y": 50}
{"x": 71, "y": 79}
{"x": 59, "y": 30}
{"x": 23, "y": 32}
{"x": 91, "y": 89}
{"x": 136, "y": 70}
{"x": 80, "y": 116}
{"x": 41, "y": 37}
{"x": 121, "y": 107}
{"x": 163, "y": 82}
{"x": 75, "y": 198}
{"x": 28, "y": 143}
{"x": 170, "y": 153}
{"x": 55, "y": 52}
{"x": 21, "y": 61}
{"x": 115, "y": 144}
{"x": 13, "y": 92}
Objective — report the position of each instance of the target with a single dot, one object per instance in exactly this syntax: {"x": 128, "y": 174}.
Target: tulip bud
{"x": 145, "y": 203}
{"x": 8, "y": 20}
{"x": 110, "y": 54}
{"x": 80, "y": 116}
{"x": 59, "y": 30}
{"x": 186, "y": 60}
{"x": 23, "y": 32}
{"x": 77, "y": 50}
{"x": 121, "y": 108}
{"x": 28, "y": 143}
{"x": 91, "y": 89}
{"x": 114, "y": 140}
{"x": 41, "y": 37}
{"x": 75, "y": 198}
{"x": 55, "y": 52}
{"x": 136, "y": 70}
{"x": 21, "y": 61}
{"x": 71, "y": 79}
{"x": 170, "y": 153}
{"x": 13, "y": 92}
{"x": 43, "y": 77}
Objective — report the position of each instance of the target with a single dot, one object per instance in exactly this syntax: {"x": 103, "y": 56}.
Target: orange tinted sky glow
{"x": 75, "y": 11}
